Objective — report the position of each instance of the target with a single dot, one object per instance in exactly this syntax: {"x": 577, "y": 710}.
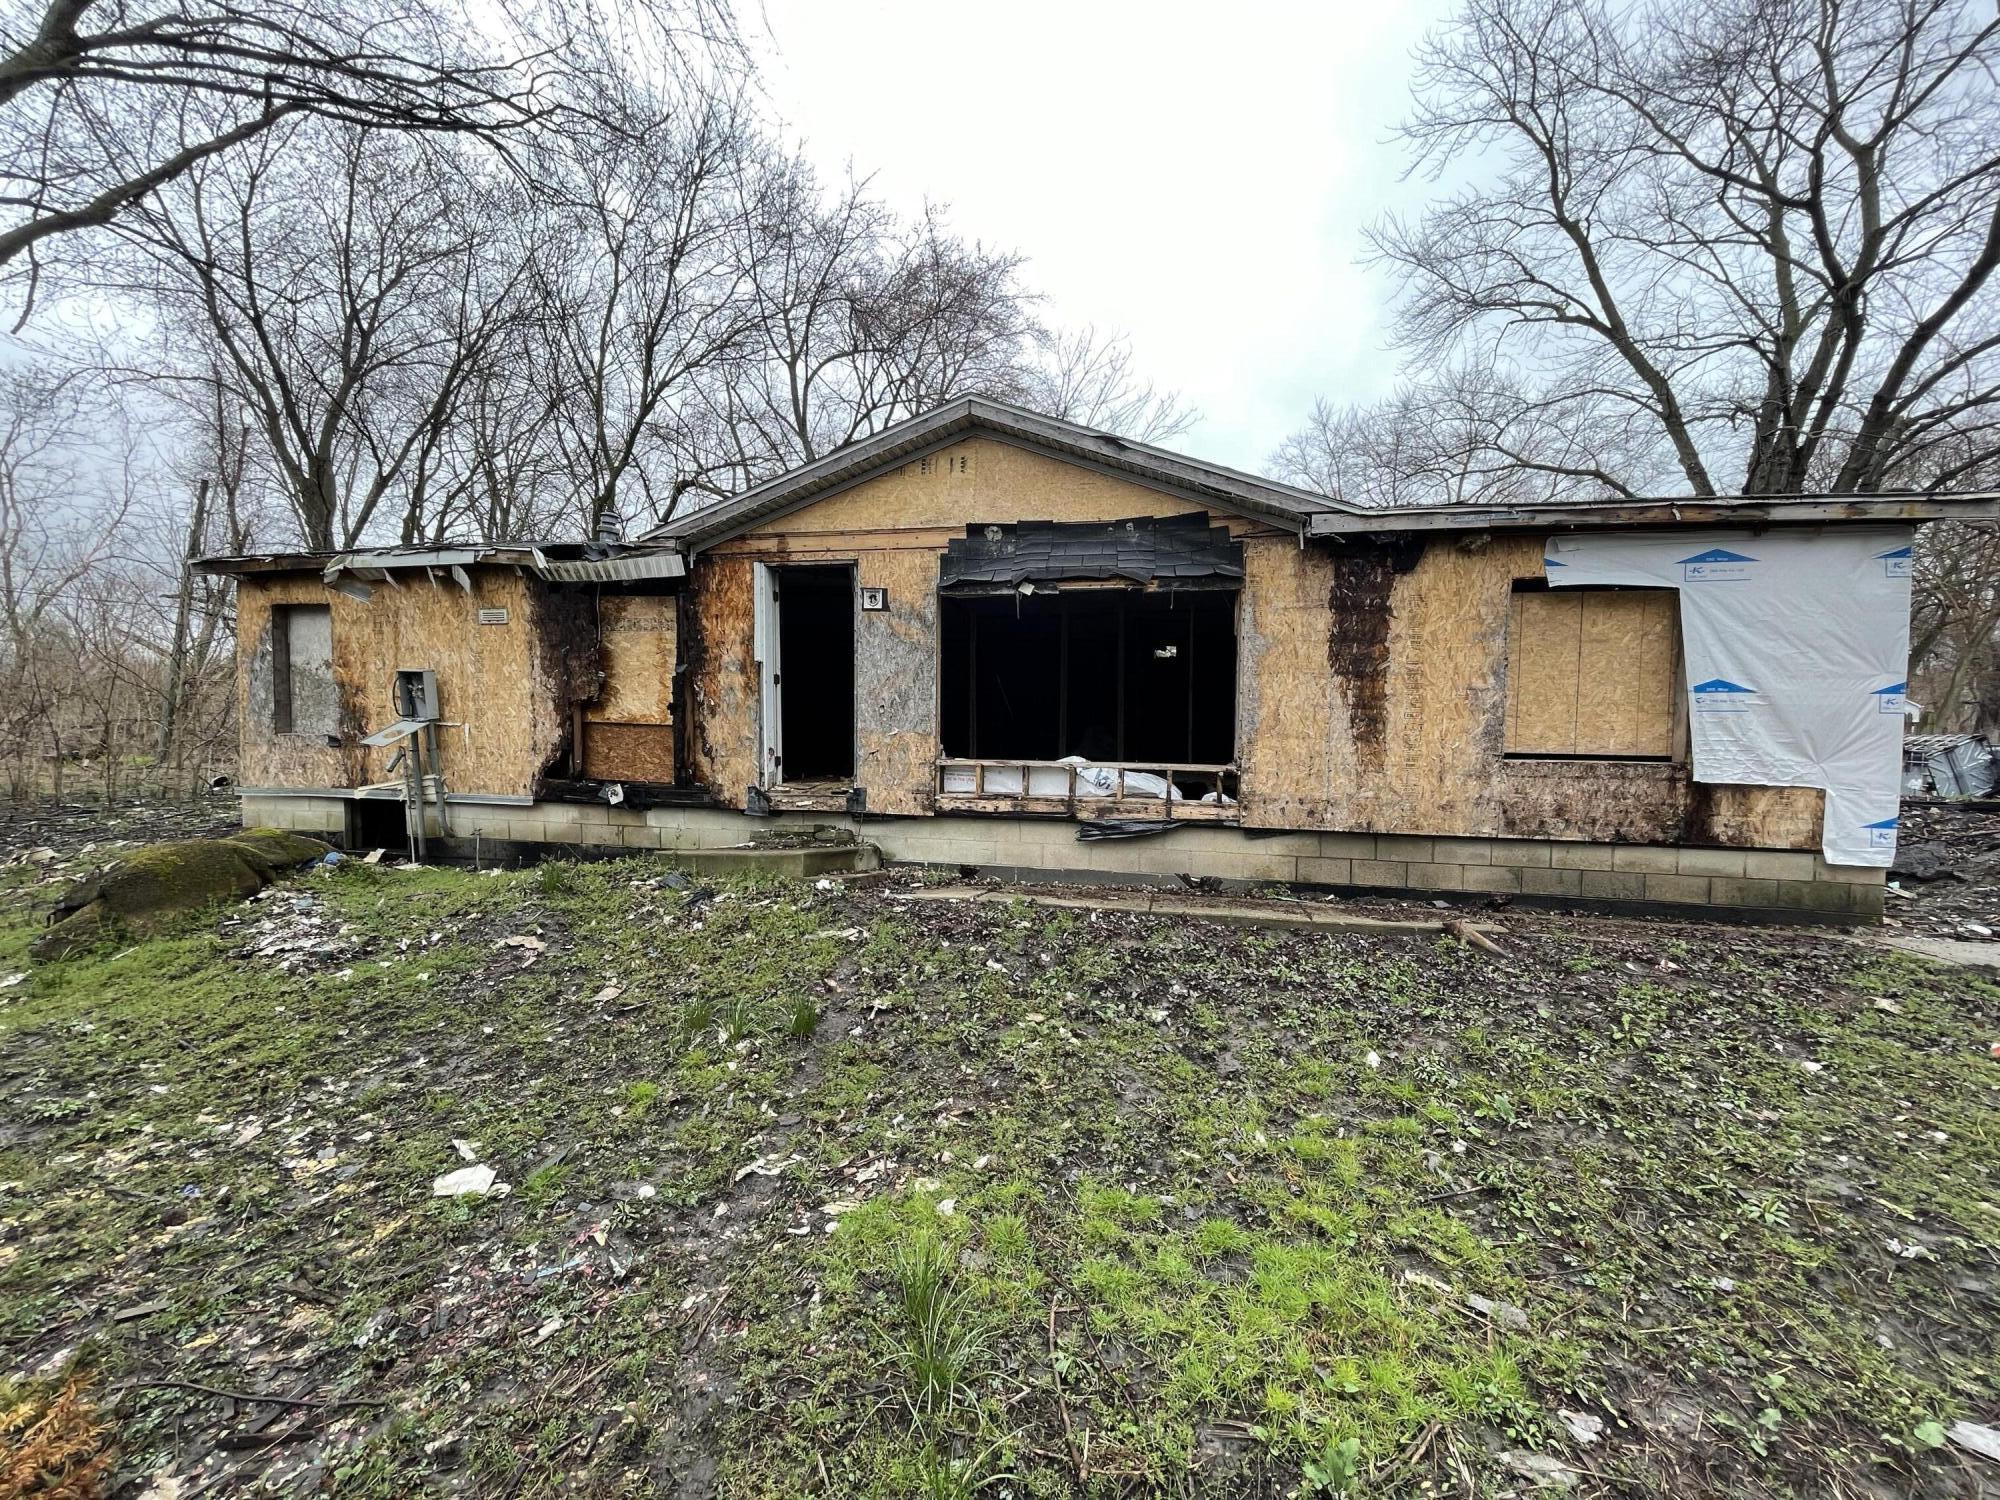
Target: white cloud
{"x": 1195, "y": 175}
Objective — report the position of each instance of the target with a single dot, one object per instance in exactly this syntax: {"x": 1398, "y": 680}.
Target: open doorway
{"x": 814, "y": 680}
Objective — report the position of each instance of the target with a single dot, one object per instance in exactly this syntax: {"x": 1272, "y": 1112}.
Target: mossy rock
{"x": 152, "y": 883}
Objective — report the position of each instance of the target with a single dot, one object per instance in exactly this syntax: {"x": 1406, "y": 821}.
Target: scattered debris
{"x": 1472, "y": 937}
{"x": 1505, "y": 1314}
{"x": 479, "y": 1180}
{"x": 764, "y": 1166}
{"x": 1975, "y": 1437}
{"x": 1539, "y": 1469}
{"x": 1584, "y": 1429}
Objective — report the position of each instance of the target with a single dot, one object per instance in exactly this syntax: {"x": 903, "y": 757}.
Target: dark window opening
{"x": 1112, "y": 675}
{"x": 816, "y": 672}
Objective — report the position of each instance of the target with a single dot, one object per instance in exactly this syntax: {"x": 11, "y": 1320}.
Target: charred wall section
{"x": 1393, "y": 718}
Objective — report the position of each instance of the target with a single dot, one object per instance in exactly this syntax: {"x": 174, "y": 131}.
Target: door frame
{"x": 764, "y": 635}
{"x": 767, "y": 632}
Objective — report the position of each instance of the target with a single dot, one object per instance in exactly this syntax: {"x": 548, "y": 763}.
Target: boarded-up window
{"x": 1591, "y": 672}
{"x": 628, "y": 732}
{"x": 304, "y": 698}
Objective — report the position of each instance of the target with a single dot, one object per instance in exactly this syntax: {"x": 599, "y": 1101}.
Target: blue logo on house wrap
{"x": 1881, "y": 835}
{"x": 1896, "y": 563}
{"x": 1716, "y": 565}
{"x": 1891, "y": 699}
{"x": 1719, "y": 695}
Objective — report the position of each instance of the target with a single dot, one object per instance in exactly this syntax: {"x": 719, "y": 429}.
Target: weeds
{"x": 1335, "y": 1469}
{"x": 739, "y": 1018}
{"x": 805, "y": 1017}
{"x": 1156, "y": 1228}
{"x": 52, "y": 1441}
{"x": 941, "y": 1340}
{"x": 939, "y": 1476}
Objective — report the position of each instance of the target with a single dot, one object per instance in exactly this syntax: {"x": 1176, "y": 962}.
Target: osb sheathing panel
{"x": 722, "y": 677}
{"x": 1373, "y": 698}
{"x": 1625, "y": 692}
{"x": 895, "y": 682}
{"x": 893, "y": 529}
{"x": 1545, "y": 645}
{"x": 1591, "y": 672}
{"x": 636, "y": 656}
{"x": 628, "y": 752}
{"x": 978, "y": 480}
{"x": 504, "y": 713}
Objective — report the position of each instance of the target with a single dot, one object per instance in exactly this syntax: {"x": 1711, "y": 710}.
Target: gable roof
{"x": 1174, "y": 473}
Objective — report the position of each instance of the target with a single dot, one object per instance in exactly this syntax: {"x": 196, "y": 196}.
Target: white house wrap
{"x": 1797, "y": 645}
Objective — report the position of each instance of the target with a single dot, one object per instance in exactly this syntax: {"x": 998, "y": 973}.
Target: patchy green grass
{"x": 826, "y": 1193}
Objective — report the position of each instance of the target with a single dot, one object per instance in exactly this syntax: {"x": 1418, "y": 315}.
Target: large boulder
{"x": 141, "y": 889}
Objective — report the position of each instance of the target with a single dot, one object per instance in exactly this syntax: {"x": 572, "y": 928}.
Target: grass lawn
{"x": 818, "y": 1192}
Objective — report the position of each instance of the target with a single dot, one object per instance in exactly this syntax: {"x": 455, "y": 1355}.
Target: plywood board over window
{"x": 628, "y": 731}
{"x": 1591, "y": 673}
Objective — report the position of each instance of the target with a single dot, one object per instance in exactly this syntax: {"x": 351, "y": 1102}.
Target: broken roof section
{"x": 1166, "y": 552}
{"x": 559, "y": 562}
{"x": 1207, "y": 484}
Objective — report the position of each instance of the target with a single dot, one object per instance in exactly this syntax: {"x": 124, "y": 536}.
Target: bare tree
{"x": 1084, "y": 376}
{"x": 638, "y": 285}
{"x": 858, "y": 320}
{"x": 343, "y": 290}
{"x": 1749, "y": 240}
{"x": 1466, "y": 439}
{"x": 65, "y": 493}
{"x": 103, "y": 102}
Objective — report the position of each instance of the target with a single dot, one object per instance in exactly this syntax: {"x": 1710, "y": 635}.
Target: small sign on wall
{"x": 493, "y": 617}
{"x": 873, "y": 598}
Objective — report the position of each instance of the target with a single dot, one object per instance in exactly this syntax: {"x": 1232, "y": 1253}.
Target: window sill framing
{"x": 1075, "y": 802}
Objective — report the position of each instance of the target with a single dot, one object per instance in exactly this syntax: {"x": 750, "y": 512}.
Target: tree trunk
{"x": 183, "y": 603}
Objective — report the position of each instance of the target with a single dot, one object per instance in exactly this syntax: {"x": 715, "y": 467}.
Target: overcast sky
{"x": 1196, "y": 175}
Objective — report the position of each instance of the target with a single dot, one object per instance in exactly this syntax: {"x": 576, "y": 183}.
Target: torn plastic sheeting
{"x": 1796, "y": 647}
{"x": 1089, "y": 830}
{"x": 1053, "y": 781}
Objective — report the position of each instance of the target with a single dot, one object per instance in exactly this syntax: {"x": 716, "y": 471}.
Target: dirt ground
{"x": 79, "y": 831}
{"x": 813, "y": 1189}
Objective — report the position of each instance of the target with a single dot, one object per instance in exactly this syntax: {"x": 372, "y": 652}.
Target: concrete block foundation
{"x": 1786, "y": 885}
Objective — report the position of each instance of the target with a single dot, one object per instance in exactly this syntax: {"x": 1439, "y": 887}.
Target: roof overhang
{"x": 1206, "y": 484}
{"x": 557, "y": 562}
{"x": 1814, "y": 510}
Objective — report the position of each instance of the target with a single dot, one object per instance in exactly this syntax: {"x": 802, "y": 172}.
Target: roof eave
{"x": 1808, "y": 510}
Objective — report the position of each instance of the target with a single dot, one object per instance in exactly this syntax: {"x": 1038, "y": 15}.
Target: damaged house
{"x": 990, "y": 638}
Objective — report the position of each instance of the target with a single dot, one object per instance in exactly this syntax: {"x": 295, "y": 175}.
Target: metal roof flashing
{"x": 1749, "y": 510}
{"x": 557, "y": 562}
